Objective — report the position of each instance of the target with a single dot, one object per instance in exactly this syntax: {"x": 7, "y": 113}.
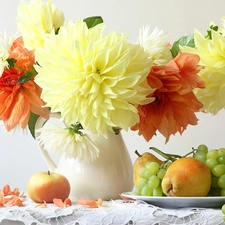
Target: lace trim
{"x": 117, "y": 212}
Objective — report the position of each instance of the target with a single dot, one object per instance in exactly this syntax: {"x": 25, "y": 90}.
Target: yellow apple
{"x": 187, "y": 177}
{"x": 45, "y": 186}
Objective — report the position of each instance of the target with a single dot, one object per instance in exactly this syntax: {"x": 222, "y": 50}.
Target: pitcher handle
{"x": 48, "y": 160}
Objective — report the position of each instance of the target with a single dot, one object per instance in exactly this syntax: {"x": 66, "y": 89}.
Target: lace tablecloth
{"x": 116, "y": 212}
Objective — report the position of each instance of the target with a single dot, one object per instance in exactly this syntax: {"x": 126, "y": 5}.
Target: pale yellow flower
{"x": 156, "y": 44}
{"x": 93, "y": 79}
{"x": 36, "y": 20}
{"x": 212, "y": 57}
{"x": 59, "y": 140}
{"x": 5, "y": 44}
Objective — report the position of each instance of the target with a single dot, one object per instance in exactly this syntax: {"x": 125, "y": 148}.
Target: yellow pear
{"x": 187, "y": 177}
{"x": 140, "y": 163}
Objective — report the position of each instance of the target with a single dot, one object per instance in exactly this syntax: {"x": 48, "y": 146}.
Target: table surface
{"x": 116, "y": 212}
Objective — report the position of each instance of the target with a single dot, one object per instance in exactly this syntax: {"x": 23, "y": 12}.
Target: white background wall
{"x": 19, "y": 154}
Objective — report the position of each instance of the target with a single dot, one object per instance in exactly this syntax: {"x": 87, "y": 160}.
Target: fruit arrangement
{"x": 180, "y": 175}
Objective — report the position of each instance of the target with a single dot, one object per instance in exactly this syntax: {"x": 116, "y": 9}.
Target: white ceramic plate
{"x": 179, "y": 202}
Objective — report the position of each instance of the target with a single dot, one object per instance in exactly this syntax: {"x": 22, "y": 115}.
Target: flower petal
{"x": 175, "y": 105}
{"x": 101, "y": 76}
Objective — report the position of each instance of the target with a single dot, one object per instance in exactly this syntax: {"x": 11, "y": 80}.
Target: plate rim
{"x": 130, "y": 194}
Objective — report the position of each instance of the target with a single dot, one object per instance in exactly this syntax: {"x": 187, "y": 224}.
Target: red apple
{"x": 45, "y": 186}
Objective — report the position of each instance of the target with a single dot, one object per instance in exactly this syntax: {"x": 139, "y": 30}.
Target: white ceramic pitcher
{"x": 107, "y": 177}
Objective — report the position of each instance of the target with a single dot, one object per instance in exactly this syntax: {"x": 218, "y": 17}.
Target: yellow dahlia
{"x": 212, "y": 57}
{"x": 93, "y": 79}
{"x": 36, "y": 20}
{"x": 156, "y": 44}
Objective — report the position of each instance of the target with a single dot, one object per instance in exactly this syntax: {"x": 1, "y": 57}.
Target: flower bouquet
{"x": 96, "y": 81}
{"x": 99, "y": 84}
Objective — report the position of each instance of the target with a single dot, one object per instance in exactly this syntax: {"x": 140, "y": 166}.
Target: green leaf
{"x": 93, "y": 21}
{"x": 116, "y": 130}
{"x": 27, "y": 75}
{"x": 32, "y": 122}
{"x": 75, "y": 128}
{"x": 183, "y": 41}
{"x": 24, "y": 78}
{"x": 11, "y": 62}
{"x": 209, "y": 32}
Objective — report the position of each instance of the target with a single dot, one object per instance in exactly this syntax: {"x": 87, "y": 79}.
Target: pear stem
{"x": 49, "y": 172}
{"x": 137, "y": 153}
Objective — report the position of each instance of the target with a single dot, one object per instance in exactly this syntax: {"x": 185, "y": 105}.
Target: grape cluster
{"x": 215, "y": 160}
{"x": 152, "y": 175}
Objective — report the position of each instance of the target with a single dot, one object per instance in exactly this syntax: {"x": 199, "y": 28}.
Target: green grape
{"x": 141, "y": 172}
{"x": 143, "y": 183}
{"x": 157, "y": 191}
{"x": 221, "y": 151}
{"x": 138, "y": 190}
{"x": 202, "y": 148}
{"x": 221, "y": 159}
{"x": 212, "y": 154}
{"x": 200, "y": 156}
{"x": 147, "y": 174}
{"x": 223, "y": 209}
{"x": 161, "y": 173}
{"x": 218, "y": 170}
{"x": 222, "y": 192}
{"x": 146, "y": 191}
{"x": 153, "y": 167}
{"x": 221, "y": 181}
{"x": 211, "y": 162}
{"x": 153, "y": 181}
{"x": 214, "y": 182}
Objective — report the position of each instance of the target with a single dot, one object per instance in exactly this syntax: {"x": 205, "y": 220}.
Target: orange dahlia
{"x": 175, "y": 103}
{"x": 17, "y": 99}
